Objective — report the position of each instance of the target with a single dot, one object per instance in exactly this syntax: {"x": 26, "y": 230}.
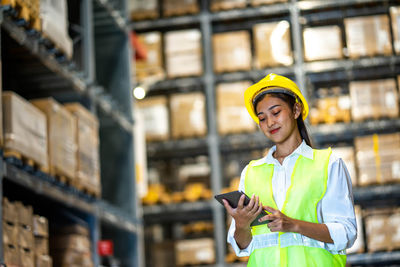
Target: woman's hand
{"x": 279, "y": 221}
{"x": 244, "y": 215}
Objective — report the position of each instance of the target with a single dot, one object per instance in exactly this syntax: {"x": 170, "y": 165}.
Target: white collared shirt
{"x": 335, "y": 210}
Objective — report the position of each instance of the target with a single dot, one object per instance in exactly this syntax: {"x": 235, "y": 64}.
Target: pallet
{"x": 19, "y": 159}
{"x": 27, "y": 11}
{"x": 266, "y": 2}
{"x": 185, "y": 10}
{"x": 143, "y": 15}
{"x": 227, "y": 5}
{"x": 46, "y": 40}
{"x": 87, "y": 189}
{"x": 61, "y": 176}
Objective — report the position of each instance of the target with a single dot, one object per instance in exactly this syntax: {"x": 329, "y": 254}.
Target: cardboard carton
{"x": 40, "y": 226}
{"x": 323, "y": 42}
{"x": 155, "y": 117}
{"x": 195, "y": 251}
{"x": 153, "y": 64}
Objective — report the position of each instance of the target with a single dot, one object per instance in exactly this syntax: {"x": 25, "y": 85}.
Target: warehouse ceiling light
{"x": 142, "y": 88}
{"x": 139, "y": 92}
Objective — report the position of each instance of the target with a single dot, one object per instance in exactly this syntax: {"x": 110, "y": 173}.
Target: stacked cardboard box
{"x": 153, "y": 64}
{"x": 359, "y": 244}
{"x": 331, "y": 110}
{"x": 10, "y": 233}
{"x": 217, "y": 5}
{"x": 143, "y": 9}
{"x": 180, "y": 7}
{"x": 41, "y": 235}
{"x": 87, "y": 171}
{"x": 374, "y": 99}
{"x": 232, "y": 51}
{"x": 188, "y": 115}
{"x": 322, "y": 43}
{"x": 54, "y": 15}
{"x": 347, "y": 155}
{"x": 25, "y": 129}
{"x": 195, "y": 251}
{"x": 382, "y": 229}
{"x": 183, "y": 53}
{"x": 70, "y": 246}
{"x": 264, "y": 2}
{"x": 378, "y": 158}
{"x": 395, "y": 17}
{"x": 232, "y": 115}
{"x": 61, "y": 132}
{"x": 156, "y": 117}
{"x": 162, "y": 254}
{"x": 368, "y": 36}
{"x": 272, "y": 44}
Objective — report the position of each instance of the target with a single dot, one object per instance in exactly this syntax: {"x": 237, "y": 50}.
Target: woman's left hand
{"x": 279, "y": 221}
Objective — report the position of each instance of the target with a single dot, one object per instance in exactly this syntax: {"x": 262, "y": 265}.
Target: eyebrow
{"x": 274, "y": 106}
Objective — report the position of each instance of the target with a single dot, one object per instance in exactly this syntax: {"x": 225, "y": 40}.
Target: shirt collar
{"x": 303, "y": 149}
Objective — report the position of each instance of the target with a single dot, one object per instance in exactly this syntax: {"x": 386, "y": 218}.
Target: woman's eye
{"x": 261, "y": 119}
{"x": 276, "y": 113}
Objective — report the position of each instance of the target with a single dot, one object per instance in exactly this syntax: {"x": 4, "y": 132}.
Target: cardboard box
{"x": 378, "y": 158}
{"x": 376, "y": 222}
{"x": 230, "y": 108}
{"x": 232, "y": 51}
{"x": 40, "y": 226}
{"x": 153, "y": 64}
{"x": 162, "y": 254}
{"x": 25, "y": 129}
{"x": 265, "y": 2}
{"x": 61, "y": 132}
{"x": 368, "y": 36}
{"x": 179, "y": 7}
{"x": 25, "y": 214}
{"x": 25, "y": 238}
{"x": 272, "y": 44}
{"x": 43, "y": 261}
{"x": 348, "y": 157}
{"x": 10, "y": 233}
{"x": 11, "y": 255}
{"x": 71, "y": 258}
{"x": 195, "y": 251}
{"x": 87, "y": 169}
{"x": 143, "y": 9}
{"x": 74, "y": 242}
{"x": 217, "y": 5}
{"x": 188, "y": 115}
{"x": 359, "y": 244}
{"x": 10, "y": 213}
{"x": 54, "y": 17}
{"x": 73, "y": 229}
{"x": 27, "y": 258}
{"x": 323, "y": 42}
{"x": 395, "y": 18}
{"x": 155, "y": 117}
{"x": 41, "y": 245}
{"x": 374, "y": 99}
{"x": 393, "y": 230}
{"x": 183, "y": 53}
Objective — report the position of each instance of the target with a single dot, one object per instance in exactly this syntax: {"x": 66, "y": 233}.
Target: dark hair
{"x": 290, "y": 100}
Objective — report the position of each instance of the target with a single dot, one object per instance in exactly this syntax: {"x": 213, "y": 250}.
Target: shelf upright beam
{"x": 298, "y": 47}
{"x": 88, "y": 41}
{"x": 212, "y": 138}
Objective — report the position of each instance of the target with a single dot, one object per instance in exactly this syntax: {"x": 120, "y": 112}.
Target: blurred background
{"x": 121, "y": 119}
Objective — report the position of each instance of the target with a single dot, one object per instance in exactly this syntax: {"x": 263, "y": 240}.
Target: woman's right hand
{"x": 244, "y": 215}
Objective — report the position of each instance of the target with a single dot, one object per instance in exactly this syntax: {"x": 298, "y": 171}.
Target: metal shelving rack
{"x": 305, "y": 73}
{"x": 114, "y": 216}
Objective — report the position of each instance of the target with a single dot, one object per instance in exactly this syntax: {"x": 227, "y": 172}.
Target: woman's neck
{"x": 287, "y": 147}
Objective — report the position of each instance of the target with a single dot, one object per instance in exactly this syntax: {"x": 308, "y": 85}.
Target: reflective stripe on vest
{"x": 308, "y": 186}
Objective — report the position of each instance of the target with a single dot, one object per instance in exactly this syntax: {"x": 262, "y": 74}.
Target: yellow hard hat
{"x": 274, "y": 83}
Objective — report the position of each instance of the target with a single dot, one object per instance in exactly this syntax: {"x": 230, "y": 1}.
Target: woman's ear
{"x": 297, "y": 110}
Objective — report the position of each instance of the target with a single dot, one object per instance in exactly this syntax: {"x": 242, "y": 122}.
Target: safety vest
{"x": 308, "y": 186}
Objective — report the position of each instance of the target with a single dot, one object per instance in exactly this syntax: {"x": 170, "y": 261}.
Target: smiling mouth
{"x": 274, "y": 131}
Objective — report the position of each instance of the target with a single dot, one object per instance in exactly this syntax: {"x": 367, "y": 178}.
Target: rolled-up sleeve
{"x": 230, "y": 237}
{"x": 337, "y": 208}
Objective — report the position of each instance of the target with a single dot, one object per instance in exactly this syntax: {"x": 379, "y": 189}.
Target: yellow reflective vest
{"x": 308, "y": 186}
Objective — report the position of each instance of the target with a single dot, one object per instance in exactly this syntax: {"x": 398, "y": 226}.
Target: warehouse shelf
{"x": 147, "y": 25}
{"x": 321, "y": 4}
{"x": 69, "y": 197}
{"x": 254, "y": 75}
{"x": 176, "y": 148}
{"x": 372, "y": 259}
{"x": 168, "y": 85}
{"x": 377, "y": 192}
{"x": 105, "y": 14}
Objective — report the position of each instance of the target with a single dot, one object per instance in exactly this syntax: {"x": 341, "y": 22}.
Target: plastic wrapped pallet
{"x": 153, "y": 64}
{"x": 232, "y": 51}
{"x": 347, "y": 155}
{"x": 368, "y": 36}
{"x": 25, "y": 129}
{"x": 376, "y": 222}
{"x": 230, "y": 108}
{"x": 188, "y": 115}
{"x": 143, "y": 9}
{"x": 61, "y": 130}
{"x": 272, "y": 44}
{"x": 265, "y": 2}
{"x": 195, "y": 252}
{"x": 87, "y": 169}
{"x": 179, "y": 7}
{"x": 54, "y": 15}
{"x": 374, "y": 99}
{"x": 217, "y": 5}
{"x": 322, "y": 43}
{"x": 395, "y": 17}
{"x": 378, "y": 158}
{"x": 394, "y": 230}
{"x": 156, "y": 117}
{"x": 183, "y": 53}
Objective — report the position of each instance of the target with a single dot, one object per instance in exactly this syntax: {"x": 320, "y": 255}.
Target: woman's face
{"x": 277, "y": 119}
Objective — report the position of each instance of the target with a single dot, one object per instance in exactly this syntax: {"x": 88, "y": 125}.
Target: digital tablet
{"x": 233, "y": 199}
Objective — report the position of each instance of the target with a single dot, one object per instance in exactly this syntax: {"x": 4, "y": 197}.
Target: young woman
{"x": 306, "y": 192}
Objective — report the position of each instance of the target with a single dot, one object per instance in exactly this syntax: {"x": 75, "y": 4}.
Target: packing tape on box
{"x": 375, "y": 139}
